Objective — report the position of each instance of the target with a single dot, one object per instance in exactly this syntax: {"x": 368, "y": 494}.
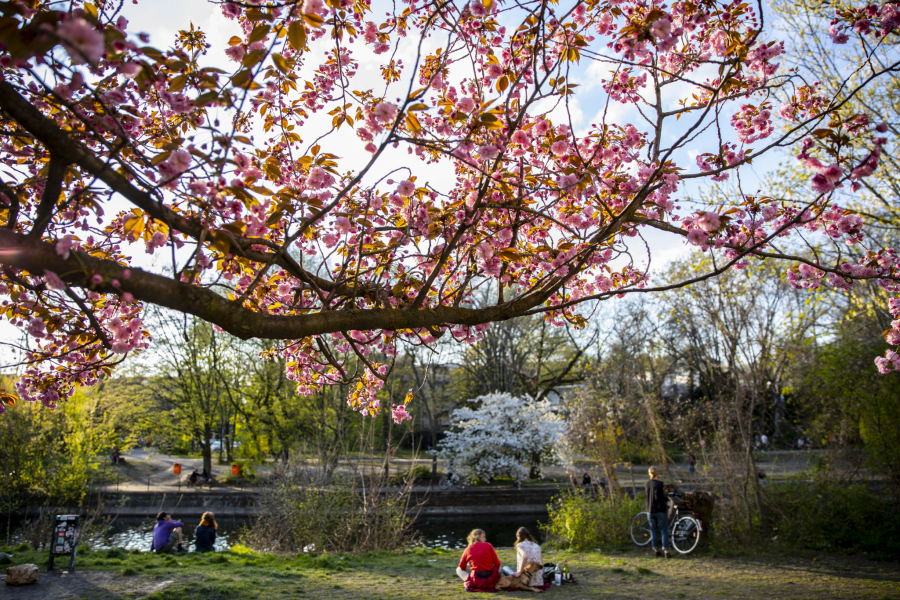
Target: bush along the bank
{"x": 313, "y": 510}
{"x": 832, "y": 516}
{"x": 583, "y": 521}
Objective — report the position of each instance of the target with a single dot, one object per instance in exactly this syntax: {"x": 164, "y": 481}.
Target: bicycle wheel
{"x": 444, "y": 483}
{"x": 640, "y": 529}
{"x": 685, "y": 534}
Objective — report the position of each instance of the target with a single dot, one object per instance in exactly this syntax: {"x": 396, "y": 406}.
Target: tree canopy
{"x": 276, "y": 223}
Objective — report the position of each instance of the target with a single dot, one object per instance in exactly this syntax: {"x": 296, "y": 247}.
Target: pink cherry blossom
{"x": 53, "y": 281}
{"x": 484, "y": 252}
{"x": 560, "y": 148}
{"x": 81, "y": 41}
{"x": 709, "y": 221}
{"x": 488, "y": 152}
{"x": 697, "y": 237}
{"x": 466, "y": 105}
{"x": 64, "y": 245}
{"x": 318, "y": 178}
{"x": 476, "y": 7}
{"x": 231, "y": 10}
{"x": 342, "y": 224}
{"x": 385, "y": 112}
{"x": 521, "y": 137}
{"x": 406, "y": 188}
{"x": 235, "y": 53}
{"x": 400, "y": 414}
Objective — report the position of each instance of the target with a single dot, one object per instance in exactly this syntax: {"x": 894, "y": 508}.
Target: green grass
{"x": 425, "y": 574}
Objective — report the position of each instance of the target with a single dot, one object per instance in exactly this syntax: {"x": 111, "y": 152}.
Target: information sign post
{"x": 65, "y": 539}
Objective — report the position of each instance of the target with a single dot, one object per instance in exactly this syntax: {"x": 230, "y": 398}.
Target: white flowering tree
{"x": 503, "y": 435}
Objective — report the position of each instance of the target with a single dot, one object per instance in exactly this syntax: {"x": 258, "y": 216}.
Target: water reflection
{"x": 134, "y": 534}
{"x": 447, "y": 533}
{"x": 450, "y": 533}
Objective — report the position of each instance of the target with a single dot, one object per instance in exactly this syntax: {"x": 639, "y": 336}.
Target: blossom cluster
{"x": 292, "y": 225}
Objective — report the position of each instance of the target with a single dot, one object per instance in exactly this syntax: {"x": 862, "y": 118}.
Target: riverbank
{"x": 629, "y": 574}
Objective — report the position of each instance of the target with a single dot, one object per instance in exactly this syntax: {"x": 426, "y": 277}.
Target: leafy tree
{"x": 47, "y": 455}
{"x": 842, "y": 405}
{"x": 189, "y": 378}
{"x": 523, "y": 356}
{"x": 111, "y": 142}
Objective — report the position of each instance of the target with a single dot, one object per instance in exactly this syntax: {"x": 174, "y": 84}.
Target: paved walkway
{"x": 149, "y": 470}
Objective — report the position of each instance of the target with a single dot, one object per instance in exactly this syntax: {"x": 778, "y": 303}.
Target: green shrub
{"x": 831, "y": 515}
{"x": 584, "y": 522}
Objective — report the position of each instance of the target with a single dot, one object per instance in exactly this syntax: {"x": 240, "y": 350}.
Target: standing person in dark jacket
{"x": 657, "y": 507}
{"x": 205, "y": 534}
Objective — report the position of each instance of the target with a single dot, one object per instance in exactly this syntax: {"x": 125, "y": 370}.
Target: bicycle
{"x": 685, "y": 528}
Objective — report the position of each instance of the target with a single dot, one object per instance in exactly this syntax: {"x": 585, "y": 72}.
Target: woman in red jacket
{"x": 479, "y": 567}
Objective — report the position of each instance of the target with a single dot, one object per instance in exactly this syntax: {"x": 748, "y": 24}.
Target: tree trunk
{"x": 534, "y": 472}
{"x": 206, "y": 448}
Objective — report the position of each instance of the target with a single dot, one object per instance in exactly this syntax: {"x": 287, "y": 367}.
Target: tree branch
{"x": 17, "y": 250}
{"x": 52, "y": 189}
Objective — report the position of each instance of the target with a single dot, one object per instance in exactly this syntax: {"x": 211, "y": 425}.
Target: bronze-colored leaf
{"x": 259, "y": 32}
{"x": 241, "y": 79}
{"x": 297, "y": 35}
{"x": 314, "y": 20}
{"x": 281, "y": 62}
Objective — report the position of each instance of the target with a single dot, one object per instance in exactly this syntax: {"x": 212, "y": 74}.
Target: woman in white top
{"x": 527, "y": 551}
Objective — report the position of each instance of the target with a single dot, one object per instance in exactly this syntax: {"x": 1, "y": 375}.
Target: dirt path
{"x": 87, "y": 585}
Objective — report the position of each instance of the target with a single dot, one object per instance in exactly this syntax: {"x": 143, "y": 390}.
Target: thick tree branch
{"x": 52, "y": 189}
{"x": 17, "y": 250}
{"x": 66, "y": 149}
{"x": 14, "y": 204}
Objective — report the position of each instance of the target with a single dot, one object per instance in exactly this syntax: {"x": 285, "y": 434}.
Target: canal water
{"x": 448, "y": 533}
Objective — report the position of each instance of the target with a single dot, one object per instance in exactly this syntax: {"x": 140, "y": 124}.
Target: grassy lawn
{"x": 117, "y": 574}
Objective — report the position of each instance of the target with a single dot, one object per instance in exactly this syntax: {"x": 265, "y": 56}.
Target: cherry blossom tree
{"x": 503, "y": 435}
{"x": 277, "y": 195}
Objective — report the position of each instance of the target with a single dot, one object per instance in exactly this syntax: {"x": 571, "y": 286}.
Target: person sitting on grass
{"x": 205, "y": 534}
{"x": 657, "y": 507}
{"x": 167, "y": 535}
{"x": 482, "y": 558}
{"x": 527, "y": 551}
